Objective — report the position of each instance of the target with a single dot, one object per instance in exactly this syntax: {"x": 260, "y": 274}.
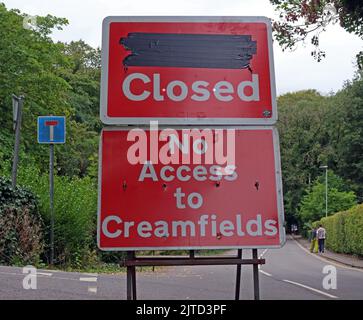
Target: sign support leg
{"x": 51, "y": 197}
{"x": 238, "y": 275}
{"x": 256, "y": 286}
{"x": 128, "y": 284}
{"x": 131, "y": 278}
{"x": 191, "y": 254}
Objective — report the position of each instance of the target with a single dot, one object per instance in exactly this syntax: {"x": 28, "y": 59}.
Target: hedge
{"x": 344, "y": 231}
{"x": 21, "y": 226}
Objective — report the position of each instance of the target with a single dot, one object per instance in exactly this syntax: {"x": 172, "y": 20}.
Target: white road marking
{"x": 263, "y": 253}
{"x": 12, "y": 273}
{"x": 260, "y": 257}
{"x": 337, "y": 264}
{"x": 47, "y": 274}
{"x": 312, "y": 289}
{"x": 265, "y": 273}
{"x": 92, "y": 289}
{"x": 90, "y": 279}
{"x": 91, "y": 274}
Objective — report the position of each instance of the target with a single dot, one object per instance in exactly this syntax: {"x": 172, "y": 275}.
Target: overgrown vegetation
{"x": 21, "y": 226}
{"x": 344, "y": 231}
{"x": 60, "y": 79}
{"x": 75, "y": 207}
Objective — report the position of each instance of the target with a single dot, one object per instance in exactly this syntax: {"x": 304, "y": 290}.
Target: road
{"x": 289, "y": 273}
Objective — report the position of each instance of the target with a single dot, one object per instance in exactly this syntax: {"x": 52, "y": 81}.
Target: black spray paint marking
{"x": 189, "y": 50}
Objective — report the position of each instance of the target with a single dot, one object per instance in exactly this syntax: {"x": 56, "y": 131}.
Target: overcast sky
{"x": 294, "y": 70}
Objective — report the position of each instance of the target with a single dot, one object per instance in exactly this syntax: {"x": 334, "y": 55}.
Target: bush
{"x": 21, "y": 226}
{"x": 75, "y": 206}
{"x": 345, "y": 231}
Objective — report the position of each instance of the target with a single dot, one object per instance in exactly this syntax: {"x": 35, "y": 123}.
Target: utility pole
{"x": 326, "y": 189}
{"x": 17, "y": 115}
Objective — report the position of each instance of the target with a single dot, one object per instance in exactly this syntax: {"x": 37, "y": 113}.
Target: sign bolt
{"x": 266, "y": 113}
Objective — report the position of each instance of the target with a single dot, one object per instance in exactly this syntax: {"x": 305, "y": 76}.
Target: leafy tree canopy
{"x": 312, "y": 206}
{"x": 55, "y": 78}
{"x": 300, "y": 20}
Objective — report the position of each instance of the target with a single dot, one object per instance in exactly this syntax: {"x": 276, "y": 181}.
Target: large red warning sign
{"x": 190, "y": 189}
{"x": 187, "y": 70}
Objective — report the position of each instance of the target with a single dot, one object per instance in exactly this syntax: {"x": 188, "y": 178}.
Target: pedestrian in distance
{"x": 313, "y": 241}
{"x": 321, "y": 235}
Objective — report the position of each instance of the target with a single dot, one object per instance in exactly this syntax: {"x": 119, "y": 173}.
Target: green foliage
{"x": 60, "y": 79}
{"x": 17, "y": 197}
{"x": 75, "y": 207}
{"x": 84, "y": 78}
{"x": 320, "y": 130}
{"x": 303, "y": 143}
{"x": 21, "y": 226}
{"x": 312, "y": 206}
{"x": 344, "y": 231}
{"x": 346, "y": 133}
{"x": 56, "y": 78}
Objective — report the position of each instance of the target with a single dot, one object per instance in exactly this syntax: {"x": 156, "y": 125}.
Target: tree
{"x": 304, "y": 143}
{"x": 84, "y": 78}
{"x": 56, "y": 78}
{"x": 345, "y": 131}
{"x": 30, "y": 64}
{"x": 312, "y": 206}
{"x": 300, "y": 20}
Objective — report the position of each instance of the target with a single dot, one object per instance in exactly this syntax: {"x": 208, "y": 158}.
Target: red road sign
{"x": 158, "y": 205}
{"x": 187, "y": 70}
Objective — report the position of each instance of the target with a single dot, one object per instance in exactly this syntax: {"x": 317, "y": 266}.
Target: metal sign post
{"x": 238, "y": 275}
{"x": 51, "y": 130}
{"x": 256, "y": 286}
{"x": 51, "y": 199}
{"x": 17, "y": 115}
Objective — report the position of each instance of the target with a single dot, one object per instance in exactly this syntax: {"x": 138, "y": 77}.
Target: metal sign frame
{"x": 131, "y": 262}
{"x": 182, "y": 121}
{"x": 278, "y": 183}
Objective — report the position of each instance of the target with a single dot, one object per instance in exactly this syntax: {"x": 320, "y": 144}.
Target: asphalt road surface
{"x": 289, "y": 273}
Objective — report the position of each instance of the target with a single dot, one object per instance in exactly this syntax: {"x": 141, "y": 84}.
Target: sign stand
{"x": 51, "y": 130}
{"x": 132, "y": 261}
{"x": 136, "y": 42}
{"x": 51, "y": 200}
{"x": 238, "y": 275}
{"x": 256, "y": 287}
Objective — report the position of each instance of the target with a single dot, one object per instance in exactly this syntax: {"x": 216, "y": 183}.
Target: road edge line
{"x": 325, "y": 259}
{"x": 312, "y": 289}
{"x": 265, "y": 273}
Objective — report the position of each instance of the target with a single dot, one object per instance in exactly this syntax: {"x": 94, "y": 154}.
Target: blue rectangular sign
{"x": 51, "y": 129}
